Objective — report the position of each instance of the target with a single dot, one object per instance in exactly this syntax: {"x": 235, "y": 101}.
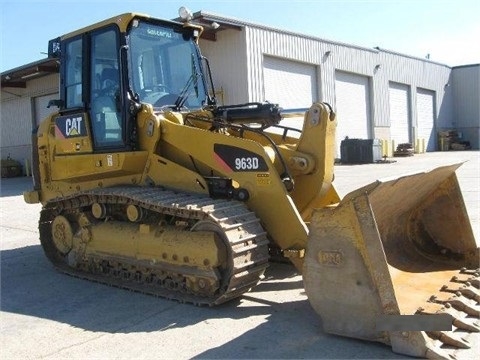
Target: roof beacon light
{"x": 185, "y": 14}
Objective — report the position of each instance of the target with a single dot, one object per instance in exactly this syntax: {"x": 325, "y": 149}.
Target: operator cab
{"x": 107, "y": 72}
{"x": 165, "y": 67}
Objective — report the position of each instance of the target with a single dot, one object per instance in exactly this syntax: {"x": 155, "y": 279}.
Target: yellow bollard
{"x": 27, "y": 167}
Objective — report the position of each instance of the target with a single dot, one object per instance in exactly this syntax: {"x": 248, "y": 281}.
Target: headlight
{"x": 185, "y": 14}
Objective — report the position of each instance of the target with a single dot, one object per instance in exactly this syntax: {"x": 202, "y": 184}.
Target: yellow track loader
{"x": 147, "y": 184}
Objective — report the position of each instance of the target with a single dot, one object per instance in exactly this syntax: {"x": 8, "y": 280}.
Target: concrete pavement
{"x": 48, "y": 315}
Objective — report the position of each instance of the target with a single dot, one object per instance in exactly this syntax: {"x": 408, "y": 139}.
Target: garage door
{"x": 426, "y": 118}
{"x": 41, "y": 103}
{"x": 290, "y": 84}
{"x": 399, "y": 113}
{"x": 352, "y": 102}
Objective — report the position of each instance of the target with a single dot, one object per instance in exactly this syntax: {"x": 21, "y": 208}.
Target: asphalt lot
{"x": 48, "y": 315}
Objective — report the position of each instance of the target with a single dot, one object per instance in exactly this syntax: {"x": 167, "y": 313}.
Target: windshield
{"x": 165, "y": 68}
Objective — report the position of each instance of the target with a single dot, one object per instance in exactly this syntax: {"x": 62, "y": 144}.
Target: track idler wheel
{"x": 62, "y": 234}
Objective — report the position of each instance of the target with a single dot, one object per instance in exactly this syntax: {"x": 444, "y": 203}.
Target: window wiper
{"x": 193, "y": 79}
{"x": 185, "y": 91}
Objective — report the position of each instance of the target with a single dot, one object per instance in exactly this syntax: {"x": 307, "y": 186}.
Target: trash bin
{"x": 360, "y": 151}
{"x": 10, "y": 168}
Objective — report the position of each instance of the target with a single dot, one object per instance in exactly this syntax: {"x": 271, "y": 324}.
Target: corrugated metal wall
{"x": 16, "y": 132}
{"x": 17, "y": 116}
{"x": 417, "y": 73}
{"x": 228, "y": 61}
{"x": 466, "y": 94}
{"x": 380, "y": 66}
{"x": 261, "y": 42}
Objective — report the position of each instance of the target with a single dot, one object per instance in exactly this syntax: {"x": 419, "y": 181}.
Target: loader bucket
{"x": 396, "y": 262}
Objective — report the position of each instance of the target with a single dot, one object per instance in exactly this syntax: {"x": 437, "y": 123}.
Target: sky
{"x": 448, "y": 31}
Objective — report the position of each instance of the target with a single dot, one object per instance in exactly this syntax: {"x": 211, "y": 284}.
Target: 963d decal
{"x": 236, "y": 159}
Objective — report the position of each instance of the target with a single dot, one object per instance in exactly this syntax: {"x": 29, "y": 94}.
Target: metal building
{"x": 25, "y": 94}
{"x": 377, "y": 93}
{"x": 465, "y": 87}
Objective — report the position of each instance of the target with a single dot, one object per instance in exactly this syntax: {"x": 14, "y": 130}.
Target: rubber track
{"x": 247, "y": 240}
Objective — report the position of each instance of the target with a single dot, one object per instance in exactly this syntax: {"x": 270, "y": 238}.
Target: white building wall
{"x": 379, "y": 65}
{"x": 228, "y": 59}
{"x": 261, "y": 42}
{"x": 419, "y": 74}
{"x": 15, "y": 135}
{"x": 466, "y": 93}
{"x": 17, "y": 116}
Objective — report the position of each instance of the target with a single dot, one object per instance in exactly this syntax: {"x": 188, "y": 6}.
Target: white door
{"x": 41, "y": 103}
{"x": 352, "y": 104}
{"x": 399, "y": 113}
{"x": 426, "y": 118}
{"x": 291, "y": 85}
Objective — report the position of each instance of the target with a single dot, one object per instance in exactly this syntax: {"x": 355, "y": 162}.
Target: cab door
{"x": 107, "y": 120}
{"x": 90, "y": 140}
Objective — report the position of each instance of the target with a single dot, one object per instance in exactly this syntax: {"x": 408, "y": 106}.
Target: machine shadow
{"x": 30, "y": 286}
{"x": 15, "y": 186}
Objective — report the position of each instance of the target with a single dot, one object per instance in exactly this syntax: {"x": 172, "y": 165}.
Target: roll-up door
{"x": 399, "y": 113}
{"x": 41, "y": 103}
{"x": 352, "y": 103}
{"x": 290, "y": 84}
{"x": 426, "y": 118}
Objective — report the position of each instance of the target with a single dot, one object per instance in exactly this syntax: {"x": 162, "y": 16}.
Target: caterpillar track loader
{"x": 147, "y": 184}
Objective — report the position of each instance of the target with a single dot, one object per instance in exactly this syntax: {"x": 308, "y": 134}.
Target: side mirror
{"x": 57, "y": 102}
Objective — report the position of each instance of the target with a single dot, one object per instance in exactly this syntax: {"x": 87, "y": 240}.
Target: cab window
{"x": 73, "y": 74}
{"x": 105, "y": 107}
